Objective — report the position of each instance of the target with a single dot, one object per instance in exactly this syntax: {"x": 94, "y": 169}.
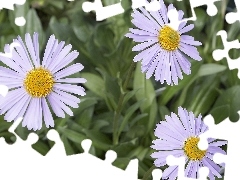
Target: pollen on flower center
{"x": 38, "y": 82}
{"x": 168, "y": 38}
{"x": 191, "y": 149}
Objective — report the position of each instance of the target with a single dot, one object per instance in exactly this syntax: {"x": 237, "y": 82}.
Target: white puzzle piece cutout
{"x": 229, "y": 131}
{"x": 103, "y": 13}
{"x": 9, "y": 4}
{"x": 27, "y": 163}
{"x": 180, "y": 162}
{"x": 219, "y": 54}
{"x": 232, "y": 17}
{"x": 7, "y": 54}
{"x": 211, "y": 7}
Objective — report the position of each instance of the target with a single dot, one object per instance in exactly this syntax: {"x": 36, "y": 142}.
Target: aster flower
{"x": 34, "y": 85}
{"x": 180, "y": 138}
{"x": 162, "y": 49}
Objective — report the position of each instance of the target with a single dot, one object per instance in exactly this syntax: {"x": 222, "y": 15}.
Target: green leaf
{"x": 208, "y": 69}
{"x": 205, "y": 96}
{"x": 41, "y": 147}
{"x": 129, "y": 113}
{"x": 68, "y": 148}
{"x": 145, "y": 86}
{"x": 72, "y": 135}
{"x": 170, "y": 91}
{"x": 33, "y": 24}
{"x": 94, "y": 83}
{"x": 99, "y": 139}
{"x": 227, "y": 98}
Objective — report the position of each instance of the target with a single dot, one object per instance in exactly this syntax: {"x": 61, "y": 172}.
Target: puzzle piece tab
{"x": 211, "y": 7}
{"x": 232, "y": 17}
{"x": 9, "y": 4}
{"x": 103, "y": 13}
{"x": 56, "y": 164}
{"x": 229, "y": 131}
{"x": 221, "y": 53}
{"x": 180, "y": 162}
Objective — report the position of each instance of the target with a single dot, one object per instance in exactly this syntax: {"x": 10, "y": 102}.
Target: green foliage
{"x": 106, "y": 55}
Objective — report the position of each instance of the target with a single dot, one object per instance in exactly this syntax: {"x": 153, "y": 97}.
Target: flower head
{"x": 34, "y": 85}
{"x": 162, "y": 48}
{"x": 180, "y": 138}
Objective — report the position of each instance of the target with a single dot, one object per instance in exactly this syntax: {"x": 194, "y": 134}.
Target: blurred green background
{"x": 106, "y": 55}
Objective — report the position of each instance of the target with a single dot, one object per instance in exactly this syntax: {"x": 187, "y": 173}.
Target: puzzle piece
{"x": 8, "y": 54}
{"x": 56, "y": 164}
{"x": 232, "y": 17}
{"x": 180, "y": 162}
{"x": 102, "y": 12}
{"x": 220, "y": 131}
{"x": 9, "y": 4}
{"x": 211, "y": 7}
{"x": 116, "y": 9}
{"x": 221, "y": 53}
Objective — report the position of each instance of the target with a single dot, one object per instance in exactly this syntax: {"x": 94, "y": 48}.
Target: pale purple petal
{"x": 15, "y": 110}
{"x": 48, "y": 119}
{"x": 186, "y": 29}
{"x": 144, "y": 45}
{"x": 22, "y": 51}
{"x": 53, "y": 59}
{"x": 72, "y": 80}
{"x": 56, "y": 108}
{"x": 213, "y": 168}
{"x": 60, "y": 57}
{"x": 48, "y": 49}
{"x": 168, "y": 171}
{"x": 56, "y": 99}
{"x": 67, "y": 60}
{"x": 68, "y": 71}
{"x": 65, "y": 100}
{"x": 31, "y": 50}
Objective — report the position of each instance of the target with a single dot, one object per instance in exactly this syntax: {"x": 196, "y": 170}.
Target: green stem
{"x": 120, "y": 103}
{"x": 148, "y": 173}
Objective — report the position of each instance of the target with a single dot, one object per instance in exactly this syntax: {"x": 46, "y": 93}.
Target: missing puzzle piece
{"x": 220, "y": 131}
{"x": 103, "y": 13}
{"x": 180, "y": 162}
{"x": 9, "y": 4}
{"x": 219, "y": 54}
{"x": 25, "y": 162}
{"x": 211, "y": 7}
{"x": 232, "y": 17}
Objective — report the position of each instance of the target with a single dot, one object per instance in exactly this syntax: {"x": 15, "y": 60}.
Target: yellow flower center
{"x": 191, "y": 149}
{"x": 38, "y": 82}
{"x": 168, "y": 38}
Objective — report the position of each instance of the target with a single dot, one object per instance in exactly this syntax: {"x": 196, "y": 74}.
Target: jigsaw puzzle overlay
{"x": 14, "y": 155}
{"x": 19, "y": 21}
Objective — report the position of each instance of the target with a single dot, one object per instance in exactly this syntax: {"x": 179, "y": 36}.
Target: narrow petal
{"x": 48, "y": 119}
{"x": 72, "y": 80}
{"x": 186, "y": 29}
{"x": 48, "y": 49}
{"x": 56, "y": 108}
{"x": 65, "y": 61}
{"x": 36, "y": 48}
{"x": 68, "y": 71}
{"x": 53, "y": 60}
{"x": 55, "y": 99}
{"x": 144, "y": 45}
{"x": 30, "y": 47}
{"x": 64, "y": 100}
{"x": 60, "y": 57}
